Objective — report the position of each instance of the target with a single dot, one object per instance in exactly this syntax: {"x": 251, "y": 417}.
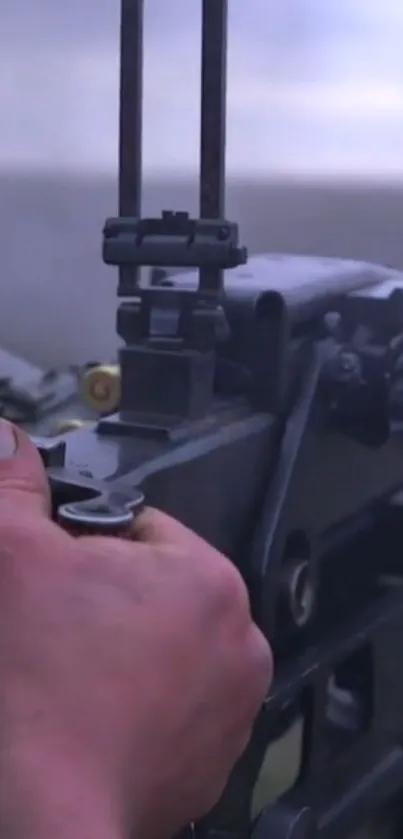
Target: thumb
{"x": 23, "y": 484}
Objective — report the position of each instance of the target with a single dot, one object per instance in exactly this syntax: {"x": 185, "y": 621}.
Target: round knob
{"x": 108, "y": 514}
{"x": 100, "y": 388}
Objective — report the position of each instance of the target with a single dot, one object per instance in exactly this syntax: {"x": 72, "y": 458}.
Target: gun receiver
{"x": 261, "y": 405}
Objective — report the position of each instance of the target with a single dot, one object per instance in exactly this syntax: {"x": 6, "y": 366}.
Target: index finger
{"x": 154, "y": 527}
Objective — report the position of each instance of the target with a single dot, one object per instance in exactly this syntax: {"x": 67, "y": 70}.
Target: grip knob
{"x": 110, "y": 514}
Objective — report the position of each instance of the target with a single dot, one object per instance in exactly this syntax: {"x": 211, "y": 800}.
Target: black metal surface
{"x": 302, "y": 475}
{"x": 173, "y": 239}
{"x": 213, "y": 116}
{"x": 52, "y": 452}
{"x": 131, "y": 124}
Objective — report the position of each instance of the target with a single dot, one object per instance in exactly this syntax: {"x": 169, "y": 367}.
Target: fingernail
{"x": 8, "y": 440}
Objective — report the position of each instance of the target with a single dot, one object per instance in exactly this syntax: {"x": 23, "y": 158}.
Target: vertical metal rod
{"x": 213, "y": 122}
{"x": 130, "y": 123}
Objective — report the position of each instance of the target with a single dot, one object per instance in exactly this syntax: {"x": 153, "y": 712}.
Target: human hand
{"x": 130, "y": 673}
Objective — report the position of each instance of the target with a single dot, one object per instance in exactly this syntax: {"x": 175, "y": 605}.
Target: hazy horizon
{"x": 315, "y": 87}
{"x": 58, "y": 301}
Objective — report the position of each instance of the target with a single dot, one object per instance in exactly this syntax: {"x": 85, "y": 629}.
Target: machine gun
{"x": 261, "y": 404}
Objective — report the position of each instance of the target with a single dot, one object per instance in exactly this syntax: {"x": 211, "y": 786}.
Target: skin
{"x": 131, "y": 673}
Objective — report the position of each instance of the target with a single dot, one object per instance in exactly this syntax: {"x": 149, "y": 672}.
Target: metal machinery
{"x": 261, "y": 403}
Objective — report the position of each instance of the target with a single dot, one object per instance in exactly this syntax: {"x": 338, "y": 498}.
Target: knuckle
{"x": 229, "y": 590}
{"x": 262, "y": 665}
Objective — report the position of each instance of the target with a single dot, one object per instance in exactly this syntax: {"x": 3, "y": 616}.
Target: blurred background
{"x": 315, "y": 154}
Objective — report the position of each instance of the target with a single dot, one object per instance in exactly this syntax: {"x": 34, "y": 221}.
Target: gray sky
{"x": 315, "y": 85}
